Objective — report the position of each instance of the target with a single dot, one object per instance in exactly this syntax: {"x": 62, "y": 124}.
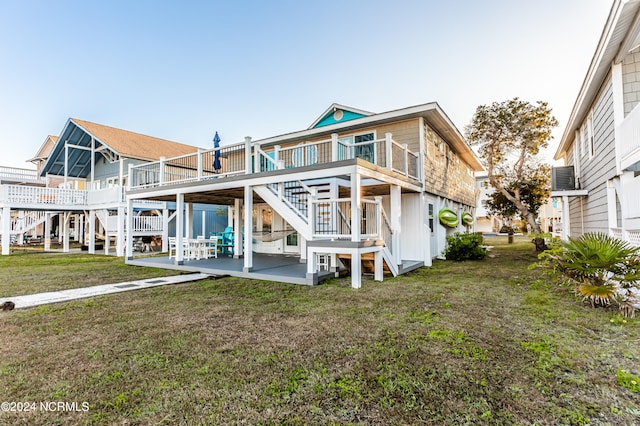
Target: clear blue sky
{"x": 181, "y": 70}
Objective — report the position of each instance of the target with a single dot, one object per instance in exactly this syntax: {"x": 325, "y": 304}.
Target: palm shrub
{"x": 602, "y": 269}
{"x": 465, "y": 246}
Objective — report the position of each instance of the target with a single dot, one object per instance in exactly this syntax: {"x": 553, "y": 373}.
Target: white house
{"x": 600, "y": 187}
{"x": 79, "y": 187}
{"x": 355, "y": 190}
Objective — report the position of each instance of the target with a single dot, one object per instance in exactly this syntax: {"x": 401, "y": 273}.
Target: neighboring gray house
{"x": 602, "y": 138}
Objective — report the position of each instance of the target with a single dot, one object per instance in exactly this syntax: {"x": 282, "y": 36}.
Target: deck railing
{"x": 250, "y": 157}
{"x": 632, "y": 236}
{"x": 333, "y": 219}
{"x": 35, "y": 195}
{"x": 629, "y": 133}
{"x": 18, "y": 174}
{"x": 198, "y": 166}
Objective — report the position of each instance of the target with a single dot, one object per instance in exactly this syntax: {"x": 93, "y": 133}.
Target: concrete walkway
{"x": 32, "y": 300}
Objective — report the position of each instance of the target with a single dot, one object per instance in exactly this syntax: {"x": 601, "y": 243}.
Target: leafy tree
{"x": 533, "y": 192}
{"x": 509, "y": 136}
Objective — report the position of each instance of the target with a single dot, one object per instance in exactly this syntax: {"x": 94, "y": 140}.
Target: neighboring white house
{"x": 357, "y": 189}
{"x": 78, "y": 189}
{"x": 600, "y": 187}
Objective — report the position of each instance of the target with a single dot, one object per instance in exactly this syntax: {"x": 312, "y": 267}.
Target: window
{"x": 366, "y": 151}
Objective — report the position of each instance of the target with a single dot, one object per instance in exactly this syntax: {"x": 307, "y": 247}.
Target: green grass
{"x": 31, "y": 272}
{"x": 486, "y": 342}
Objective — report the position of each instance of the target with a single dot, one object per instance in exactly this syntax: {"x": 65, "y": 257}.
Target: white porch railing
{"x": 253, "y": 158}
{"x": 191, "y": 167}
{"x": 21, "y": 175}
{"x": 147, "y": 224}
{"x": 629, "y": 134}
{"x": 630, "y": 236}
{"x": 34, "y": 195}
{"x": 31, "y": 219}
{"x": 333, "y": 219}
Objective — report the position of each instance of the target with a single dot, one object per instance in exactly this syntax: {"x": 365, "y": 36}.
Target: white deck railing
{"x": 22, "y": 175}
{"x": 631, "y": 236}
{"x": 247, "y": 157}
{"x": 629, "y": 133}
{"x": 34, "y": 195}
{"x": 333, "y": 219}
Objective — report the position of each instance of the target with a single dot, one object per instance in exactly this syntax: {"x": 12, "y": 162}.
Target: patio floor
{"x": 271, "y": 267}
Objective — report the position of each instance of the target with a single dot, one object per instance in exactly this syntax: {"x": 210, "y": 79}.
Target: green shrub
{"x": 465, "y": 246}
{"x": 601, "y": 268}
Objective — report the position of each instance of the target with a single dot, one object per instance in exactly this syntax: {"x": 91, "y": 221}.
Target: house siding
{"x": 445, "y": 174}
{"x": 589, "y": 214}
{"x": 631, "y": 80}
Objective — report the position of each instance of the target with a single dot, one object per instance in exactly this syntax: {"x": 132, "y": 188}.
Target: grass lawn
{"x": 33, "y": 272}
{"x": 486, "y": 342}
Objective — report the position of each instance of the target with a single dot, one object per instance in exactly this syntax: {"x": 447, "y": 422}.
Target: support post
{"x": 129, "y": 229}
{"x": 92, "y": 231}
{"x": 161, "y": 177}
{"x": 237, "y": 228}
{"x": 179, "y": 259}
{"x": 247, "y": 155}
{"x": 199, "y": 164}
{"x": 356, "y": 212}
{"x": 47, "y": 231}
{"x": 188, "y": 220}
{"x": 6, "y": 230}
{"x": 566, "y": 223}
{"x": 377, "y": 264}
{"x": 356, "y": 269}
{"x": 334, "y": 147}
{"x": 395, "y": 215}
{"x": 66, "y": 225}
{"x": 248, "y": 228}
{"x": 120, "y": 232}
{"x": 165, "y": 230}
{"x": 388, "y": 146}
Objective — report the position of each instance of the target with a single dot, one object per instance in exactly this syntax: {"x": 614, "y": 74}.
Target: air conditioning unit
{"x": 563, "y": 178}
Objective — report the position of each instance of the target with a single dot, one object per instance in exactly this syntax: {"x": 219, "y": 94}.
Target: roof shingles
{"x": 135, "y": 145}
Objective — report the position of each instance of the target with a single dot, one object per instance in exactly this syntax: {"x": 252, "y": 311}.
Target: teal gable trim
{"x": 346, "y": 116}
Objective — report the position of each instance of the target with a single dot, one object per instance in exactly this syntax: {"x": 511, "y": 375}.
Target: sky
{"x": 182, "y": 70}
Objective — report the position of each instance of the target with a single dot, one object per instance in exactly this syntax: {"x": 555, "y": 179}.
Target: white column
{"x": 204, "y": 224}
{"x": 395, "y": 216}
{"x": 80, "y": 231}
{"x": 303, "y": 249}
{"x": 356, "y": 269}
{"x": 179, "y": 259}
{"x": 47, "y": 232}
{"x": 66, "y": 163}
{"x": 129, "y": 230}
{"x": 565, "y": 218}
{"x": 247, "y": 155}
{"x": 66, "y": 225}
{"x": 377, "y": 262}
{"x": 120, "y": 236}
{"x": 248, "y": 228}
{"x": 92, "y": 231}
{"x": 165, "y": 230}
{"x": 334, "y": 147}
{"x": 20, "y": 239}
{"x": 6, "y": 230}
{"x": 188, "y": 220}
{"x": 230, "y": 213}
{"x": 388, "y": 147}
{"x": 356, "y": 201}
{"x": 617, "y": 86}
{"x": 236, "y": 224}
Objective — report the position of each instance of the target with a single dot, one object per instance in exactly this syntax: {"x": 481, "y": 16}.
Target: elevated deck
{"x": 271, "y": 267}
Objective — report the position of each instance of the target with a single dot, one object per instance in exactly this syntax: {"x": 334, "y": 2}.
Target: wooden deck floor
{"x": 271, "y": 267}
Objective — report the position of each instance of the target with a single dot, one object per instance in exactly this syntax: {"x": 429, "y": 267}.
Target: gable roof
{"x": 337, "y": 113}
{"x": 134, "y": 145}
{"x": 431, "y": 112}
{"x": 619, "y": 36}
{"x": 45, "y": 149}
{"x": 109, "y": 142}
